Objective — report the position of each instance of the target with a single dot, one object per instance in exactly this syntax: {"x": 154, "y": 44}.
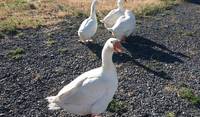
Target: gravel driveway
{"x": 162, "y": 57}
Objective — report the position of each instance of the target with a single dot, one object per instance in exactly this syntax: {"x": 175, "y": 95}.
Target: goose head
{"x": 114, "y": 45}
{"x": 111, "y": 45}
{"x": 120, "y": 3}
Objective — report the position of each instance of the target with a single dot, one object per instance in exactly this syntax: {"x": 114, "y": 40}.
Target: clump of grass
{"x": 152, "y": 9}
{"x": 79, "y": 13}
{"x": 62, "y": 50}
{"x": 180, "y": 32}
{"x": 16, "y": 53}
{"x": 11, "y": 24}
{"x": 92, "y": 56}
{"x": 188, "y": 94}
{"x": 70, "y": 10}
{"x": 19, "y": 34}
{"x": 50, "y": 42}
{"x": 116, "y": 106}
{"x": 16, "y": 4}
{"x": 170, "y": 114}
{"x": 16, "y": 14}
{"x": 185, "y": 33}
{"x": 8, "y": 26}
{"x": 188, "y": 34}
{"x": 61, "y": 7}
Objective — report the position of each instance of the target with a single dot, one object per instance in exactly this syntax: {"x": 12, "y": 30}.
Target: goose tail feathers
{"x": 52, "y": 103}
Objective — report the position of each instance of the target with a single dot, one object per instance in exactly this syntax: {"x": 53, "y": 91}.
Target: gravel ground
{"x": 162, "y": 57}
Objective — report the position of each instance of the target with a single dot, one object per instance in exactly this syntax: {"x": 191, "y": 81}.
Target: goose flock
{"x": 91, "y": 92}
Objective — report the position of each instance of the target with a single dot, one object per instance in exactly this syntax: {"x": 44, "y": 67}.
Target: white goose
{"x": 91, "y": 92}
{"x": 110, "y": 19}
{"x": 124, "y": 26}
{"x": 89, "y": 26}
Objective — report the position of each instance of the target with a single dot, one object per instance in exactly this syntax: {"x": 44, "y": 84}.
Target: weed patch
{"x": 170, "y": 114}
{"x": 50, "y": 42}
{"x": 116, "y": 106}
{"x": 188, "y": 94}
{"x": 16, "y": 53}
{"x": 62, "y": 50}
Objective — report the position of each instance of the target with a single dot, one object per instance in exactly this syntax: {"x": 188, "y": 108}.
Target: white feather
{"x": 125, "y": 25}
{"x": 110, "y": 19}
{"x": 88, "y": 27}
{"x": 91, "y": 92}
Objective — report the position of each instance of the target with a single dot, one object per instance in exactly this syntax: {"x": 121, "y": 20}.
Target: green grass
{"x": 50, "y": 42}
{"x": 62, "y": 50}
{"x": 154, "y": 9}
{"x": 72, "y": 10}
{"x": 15, "y": 5}
{"x": 115, "y": 106}
{"x": 188, "y": 94}
{"x": 19, "y": 34}
{"x": 170, "y": 114}
{"x": 18, "y": 17}
{"x": 188, "y": 34}
{"x": 8, "y": 25}
{"x": 16, "y": 53}
{"x": 12, "y": 23}
{"x": 185, "y": 33}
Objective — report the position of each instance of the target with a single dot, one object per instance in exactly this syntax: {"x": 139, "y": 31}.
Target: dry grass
{"x": 106, "y": 5}
{"x": 138, "y": 6}
{"x": 23, "y": 14}
{"x": 32, "y": 13}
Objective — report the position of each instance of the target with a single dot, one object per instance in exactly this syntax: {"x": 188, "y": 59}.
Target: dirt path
{"x": 162, "y": 58}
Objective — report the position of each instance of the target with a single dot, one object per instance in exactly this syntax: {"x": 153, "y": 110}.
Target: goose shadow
{"x": 95, "y": 48}
{"x": 142, "y": 48}
{"x": 123, "y": 57}
{"x": 193, "y": 1}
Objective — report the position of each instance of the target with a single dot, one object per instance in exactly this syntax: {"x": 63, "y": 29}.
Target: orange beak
{"x": 118, "y": 47}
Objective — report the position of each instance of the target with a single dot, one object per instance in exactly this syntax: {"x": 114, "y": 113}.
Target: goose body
{"x": 91, "y": 92}
{"x": 124, "y": 26}
{"x": 110, "y": 19}
{"x": 88, "y": 27}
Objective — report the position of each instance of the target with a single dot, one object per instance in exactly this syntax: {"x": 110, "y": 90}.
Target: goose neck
{"x": 93, "y": 10}
{"x": 120, "y": 5}
{"x": 107, "y": 62}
